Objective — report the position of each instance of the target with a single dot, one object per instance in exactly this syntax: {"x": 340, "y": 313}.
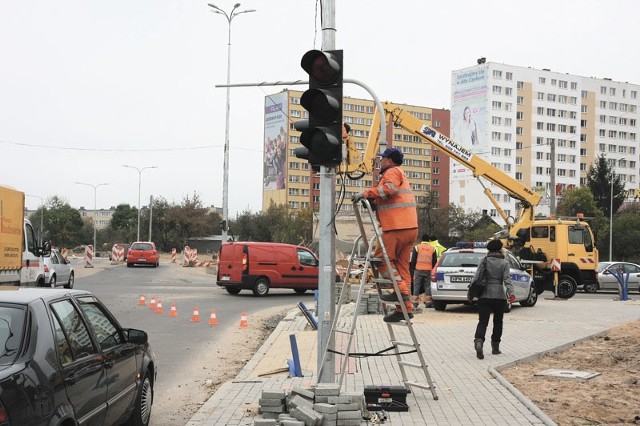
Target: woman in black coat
{"x": 495, "y": 268}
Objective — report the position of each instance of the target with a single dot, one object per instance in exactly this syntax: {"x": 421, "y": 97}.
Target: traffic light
{"x": 322, "y": 133}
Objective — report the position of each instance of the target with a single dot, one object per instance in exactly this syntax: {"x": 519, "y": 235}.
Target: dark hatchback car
{"x": 65, "y": 360}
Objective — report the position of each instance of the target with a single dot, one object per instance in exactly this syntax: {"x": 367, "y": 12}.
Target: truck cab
{"x": 32, "y": 271}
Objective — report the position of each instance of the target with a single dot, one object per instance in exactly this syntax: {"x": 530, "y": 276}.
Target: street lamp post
{"x": 139, "y": 187}
{"x": 95, "y": 208}
{"x": 225, "y": 179}
{"x": 41, "y": 230}
{"x": 613, "y": 178}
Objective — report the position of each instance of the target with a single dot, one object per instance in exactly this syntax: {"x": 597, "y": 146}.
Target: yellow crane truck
{"x": 20, "y": 256}
{"x": 561, "y": 251}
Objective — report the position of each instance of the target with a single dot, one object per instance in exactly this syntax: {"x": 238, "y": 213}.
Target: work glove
{"x": 512, "y": 298}
{"x": 357, "y": 197}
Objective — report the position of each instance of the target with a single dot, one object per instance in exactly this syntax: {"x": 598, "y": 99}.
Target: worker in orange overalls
{"x": 396, "y": 211}
{"x": 423, "y": 259}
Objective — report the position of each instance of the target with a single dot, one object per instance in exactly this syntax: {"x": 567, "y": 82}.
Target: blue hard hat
{"x": 394, "y": 153}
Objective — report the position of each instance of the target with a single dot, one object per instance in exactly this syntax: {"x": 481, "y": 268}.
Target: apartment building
{"x": 514, "y": 117}
{"x": 289, "y": 180}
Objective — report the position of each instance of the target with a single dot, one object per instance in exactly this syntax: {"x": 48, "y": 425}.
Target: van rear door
{"x": 230, "y": 264}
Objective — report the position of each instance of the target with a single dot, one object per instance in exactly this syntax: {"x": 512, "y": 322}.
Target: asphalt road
{"x": 177, "y": 342}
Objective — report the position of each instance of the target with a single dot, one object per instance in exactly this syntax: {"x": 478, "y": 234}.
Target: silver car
{"x": 456, "y": 267}
{"x": 608, "y": 281}
{"x": 58, "y": 271}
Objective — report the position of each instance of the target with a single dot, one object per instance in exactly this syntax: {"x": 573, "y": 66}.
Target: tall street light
{"x": 95, "y": 208}
{"x": 139, "y": 186}
{"x": 225, "y": 180}
{"x": 613, "y": 178}
{"x": 41, "y": 230}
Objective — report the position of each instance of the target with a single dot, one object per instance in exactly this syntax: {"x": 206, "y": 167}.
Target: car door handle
{"x": 229, "y": 266}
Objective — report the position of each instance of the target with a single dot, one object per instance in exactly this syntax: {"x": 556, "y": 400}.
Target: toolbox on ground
{"x": 389, "y": 398}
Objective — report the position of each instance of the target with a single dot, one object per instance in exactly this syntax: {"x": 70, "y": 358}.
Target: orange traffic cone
{"x": 243, "y": 320}
{"x": 173, "y": 313}
{"x": 196, "y": 315}
{"x": 152, "y": 304}
{"x": 212, "y": 319}
{"x": 159, "y": 307}
{"x": 142, "y": 301}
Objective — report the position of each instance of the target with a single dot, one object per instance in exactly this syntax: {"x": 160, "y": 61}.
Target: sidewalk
{"x": 468, "y": 393}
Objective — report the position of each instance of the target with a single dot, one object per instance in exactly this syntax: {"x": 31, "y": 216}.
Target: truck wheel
{"x": 439, "y": 305}
{"x": 232, "y": 290}
{"x": 261, "y": 287}
{"x": 590, "y": 288}
{"x": 567, "y": 287}
{"x": 532, "y": 299}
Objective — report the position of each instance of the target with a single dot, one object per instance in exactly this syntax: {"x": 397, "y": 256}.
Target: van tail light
{"x": 4, "y": 417}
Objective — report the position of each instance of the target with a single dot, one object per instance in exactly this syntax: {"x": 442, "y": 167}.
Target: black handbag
{"x": 476, "y": 288}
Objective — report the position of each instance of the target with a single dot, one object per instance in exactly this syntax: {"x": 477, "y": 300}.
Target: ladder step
{"x": 410, "y": 364}
{"x": 405, "y": 344}
{"x": 418, "y": 385}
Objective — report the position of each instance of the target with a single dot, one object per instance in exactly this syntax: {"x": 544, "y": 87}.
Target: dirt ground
{"x": 613, "y": 397}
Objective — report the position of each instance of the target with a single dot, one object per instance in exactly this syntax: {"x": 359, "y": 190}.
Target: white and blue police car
{"x": 451, "y": 276}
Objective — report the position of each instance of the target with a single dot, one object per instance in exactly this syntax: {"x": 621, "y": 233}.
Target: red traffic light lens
{"x": 321, "y": 66}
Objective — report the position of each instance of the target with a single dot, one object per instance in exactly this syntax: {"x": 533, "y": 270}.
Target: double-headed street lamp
{"x": 95, "y": 207}
{"x": 139, "y": 187}
{"x": 225, "y": 180}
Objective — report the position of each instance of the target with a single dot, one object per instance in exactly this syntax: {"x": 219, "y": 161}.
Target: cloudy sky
{"x": 87, "y": 86}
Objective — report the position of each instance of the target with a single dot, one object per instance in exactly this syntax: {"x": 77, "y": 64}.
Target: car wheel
{"x": 507, "y": 308}
{"x": 590, "y": 288}
{"x": 71, "y": 281}
{"x": 300, "y": 290}
{"x": 52, "y": 281}
{"x": 142, "y": 411}
{"x": 129, "y": 265}
{"x": 439, "y": 305}
{"x": 232, "y": 290}
{"x": 567, "y": 287}
{"x": 261, "y": 287}
{"x": 532, "y": 299}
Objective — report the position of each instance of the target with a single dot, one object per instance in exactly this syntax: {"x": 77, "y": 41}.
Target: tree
{"x": 626, "y": 229}
{"x": 63, "y": 224}
{"x": 599, "y": 179}
{"x": 461, "y": 221}
{"x": 125, "y": 223}
{"x": 431, "y": 218}
{"x": 278, "y": 224}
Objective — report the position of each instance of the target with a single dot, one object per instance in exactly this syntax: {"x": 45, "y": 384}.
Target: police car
{"x": 451, "y": 276}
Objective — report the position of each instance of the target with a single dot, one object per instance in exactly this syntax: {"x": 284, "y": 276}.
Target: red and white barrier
{"x": 117, "y": 254}
{"x": 186, "y": 256}
{"x": 174, "y": 255}
{"x": 88, "y": 256}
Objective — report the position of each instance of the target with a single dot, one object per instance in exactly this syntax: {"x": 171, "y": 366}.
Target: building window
{"x": 520, "y": 100}
{"x": 436, "y": 123}
{"x": 583, "y": 109}
{"x": 497, "y": 74}
{"x": 583, "y": 94}
{"x": 520, "y": 85}
{"x": 509, "y": 76}
{"x": 541, "y": 80}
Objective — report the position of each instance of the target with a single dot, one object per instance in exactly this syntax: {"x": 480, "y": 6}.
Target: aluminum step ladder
{"x": 369, "y": 270}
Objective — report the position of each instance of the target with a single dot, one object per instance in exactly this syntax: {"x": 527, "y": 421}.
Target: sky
{"x": 88, "y": 86}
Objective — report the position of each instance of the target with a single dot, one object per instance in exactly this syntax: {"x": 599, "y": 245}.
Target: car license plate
{"x": 142, "y": 260}
{"x": 224, "y": 278}
{"x": 460, "y": 279}
{"x": 446, "y": 286}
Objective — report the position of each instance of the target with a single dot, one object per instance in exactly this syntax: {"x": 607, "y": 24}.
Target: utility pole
{"x": 150, "y": 215}
{"x": 327, "y": 253}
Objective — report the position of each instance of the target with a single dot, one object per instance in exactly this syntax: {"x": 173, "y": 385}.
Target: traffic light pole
{"x": 326, "y": 277}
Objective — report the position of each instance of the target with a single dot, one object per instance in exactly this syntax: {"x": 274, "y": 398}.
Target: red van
{"x": 260, "y": 266}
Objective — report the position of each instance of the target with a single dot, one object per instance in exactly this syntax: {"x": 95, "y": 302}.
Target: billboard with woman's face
{"x": 468, "y": 109}
{"x": 275, "y": 141}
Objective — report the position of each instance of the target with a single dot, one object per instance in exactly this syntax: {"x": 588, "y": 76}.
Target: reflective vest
{"x": 395, "y": 202}
{"x": 425, "y": 256}
{"x": 439, "y": 247}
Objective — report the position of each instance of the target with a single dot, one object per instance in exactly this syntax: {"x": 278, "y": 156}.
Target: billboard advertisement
{"x": 275, "y": 141}
{"x": 469, "y": 114}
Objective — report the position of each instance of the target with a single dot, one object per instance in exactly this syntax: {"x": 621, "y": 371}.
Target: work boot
{"x": 495, "y": 348}
{"x": 396, "y": 316}
{"x": 477, "y": 343}
{"x": 392, "y": 297}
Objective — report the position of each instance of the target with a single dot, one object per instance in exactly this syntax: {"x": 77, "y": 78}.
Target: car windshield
{"x": 142, "y": 246}
{"x": 458, "y": 259}
{"x": 12, "y": 320}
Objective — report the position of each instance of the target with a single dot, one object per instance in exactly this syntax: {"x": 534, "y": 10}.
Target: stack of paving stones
{"x": 323, "y": 405}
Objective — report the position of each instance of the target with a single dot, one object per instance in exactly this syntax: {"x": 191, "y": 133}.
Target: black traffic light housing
{"x": 322, "y": 133}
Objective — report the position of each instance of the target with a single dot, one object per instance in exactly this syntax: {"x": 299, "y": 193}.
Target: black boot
{"x": 495, "y": 348}
{"x": 477, "y": 343}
